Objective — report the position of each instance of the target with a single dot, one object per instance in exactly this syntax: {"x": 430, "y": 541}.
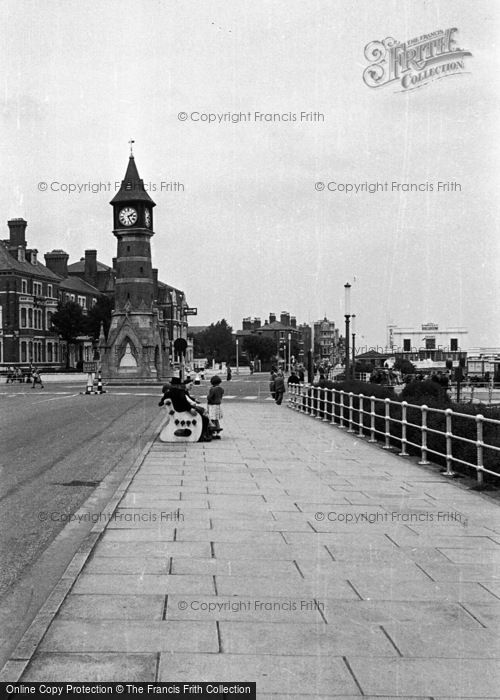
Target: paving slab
{"x": 130, "y": 636}
{"x": 478, "y": 678}
{"x": 304, "y": 675}
{"x": 113, "y": 667}
{"x": 293, "y": 640}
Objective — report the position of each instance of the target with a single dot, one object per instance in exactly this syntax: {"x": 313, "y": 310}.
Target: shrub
{"x": 426, "y": 392}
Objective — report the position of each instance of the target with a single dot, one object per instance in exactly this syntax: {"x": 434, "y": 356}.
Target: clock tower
{"x": 135, "y": 350}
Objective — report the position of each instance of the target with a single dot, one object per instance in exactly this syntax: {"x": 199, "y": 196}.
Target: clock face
{"x": 127, "y": 216}
{"x": 147, "y": 218}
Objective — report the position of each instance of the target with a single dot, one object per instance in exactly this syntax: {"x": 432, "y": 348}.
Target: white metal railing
{"x": 358, "y": 413}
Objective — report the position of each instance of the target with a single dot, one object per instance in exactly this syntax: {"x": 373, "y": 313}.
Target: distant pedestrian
{"x": 214, "y": 401}
{"x": 302, "y": 375}
{"x": 272, "y": 383}
{"x": 11, "y": 375}
{"x": 279, "y": 388}
{"x": 293, "y": 378}
{"x": 37, "y": 379}
{"x": 229, "y": 374}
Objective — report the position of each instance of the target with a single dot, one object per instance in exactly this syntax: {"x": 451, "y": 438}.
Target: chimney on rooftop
{"x": 285, "y": 318}
{"x": 90, "y": 273}
{"x": 57, "y": 261}
{"x": 17, "y": 228}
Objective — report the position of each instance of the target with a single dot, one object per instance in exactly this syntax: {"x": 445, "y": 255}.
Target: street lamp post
{"x": 289, "y": 355}
{"x": 237, "y": 357}
{"x": 347, "y": 313}
{"x": 353, "y": 333}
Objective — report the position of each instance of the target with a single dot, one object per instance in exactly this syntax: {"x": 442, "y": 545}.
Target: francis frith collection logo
{"x": 416, "y": 62}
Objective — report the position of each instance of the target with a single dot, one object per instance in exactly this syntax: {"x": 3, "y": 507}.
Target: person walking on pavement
{"x": 272, "y": 383}
{"x": 37, "y": 379}
{"x": 214, "y": 400}
{"x": 279, "y": 387}
{"x": 229, "y": 375}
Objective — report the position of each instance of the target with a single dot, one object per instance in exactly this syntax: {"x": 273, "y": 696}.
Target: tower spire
{"x": 131, "y": 148}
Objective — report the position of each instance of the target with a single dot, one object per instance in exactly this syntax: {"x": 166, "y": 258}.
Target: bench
{"x": 180, "y": 426}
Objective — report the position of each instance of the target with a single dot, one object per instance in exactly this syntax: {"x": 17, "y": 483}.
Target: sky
{"x": 240, "y": 224}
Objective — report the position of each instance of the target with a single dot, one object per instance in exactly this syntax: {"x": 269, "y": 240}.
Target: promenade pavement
{"x": 289, "y": 553}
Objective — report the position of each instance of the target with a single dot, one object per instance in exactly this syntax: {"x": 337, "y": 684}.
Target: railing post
{"x": 325, "y": 409}
{"x": 341, "y": 409}
{"x": 449, "y": 434}
{"x": 361, "y": 415}
{"x": 387, "y": 445}
{"x": 314, "y": 404}
{"x": 372, "y": 420}
{"x": 404, "y": 407}
{"x": 309, "y": 400}
{"x": 479, "y": 447}
{"x": 423, "y": 448}
{"x": 334, "y": 405}
{"x": 350, "y": 428}
{"x": 318, "y": 402}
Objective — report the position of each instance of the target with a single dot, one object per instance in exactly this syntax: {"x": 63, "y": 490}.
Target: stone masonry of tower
{"x": 135, "y": 350}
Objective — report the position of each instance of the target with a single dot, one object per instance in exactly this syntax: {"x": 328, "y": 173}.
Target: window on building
{"x": 30, "y": 318}
{"x": 49, "y": 291}
{"x": 94, "y": 301}
{"x": 23, "y": 317}
{"x": 24, "y": 357}
{"x": 49, "y": 352}
{"x": 24, "y": 286}
{"x": 407, "y": 345}
{"x": 72, "y": 297}
{"x": 82, "y": 302}
{"x": 430, "y": 343}
{"x": 49, "y": 319}
{"x": 454, "y": 344}
{"x": 37, "y": 289}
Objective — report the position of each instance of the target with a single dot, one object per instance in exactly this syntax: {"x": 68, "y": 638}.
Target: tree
{"x": 69, "y": 322}
{"x": 259, "y": 347}
{"x": 215, "y": 342}
{"x": 99, "y": 313}
{"x": 404, "y": 366}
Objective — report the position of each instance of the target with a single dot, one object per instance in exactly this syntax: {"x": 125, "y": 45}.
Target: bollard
{"x": 100, "y": 390}
{"x": 90, "y": 384}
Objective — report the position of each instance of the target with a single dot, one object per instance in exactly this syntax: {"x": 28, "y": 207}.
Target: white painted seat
{"x": 180, "y": 426}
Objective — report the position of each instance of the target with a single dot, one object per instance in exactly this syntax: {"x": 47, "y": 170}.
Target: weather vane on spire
{"x": 131, "y": 149}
